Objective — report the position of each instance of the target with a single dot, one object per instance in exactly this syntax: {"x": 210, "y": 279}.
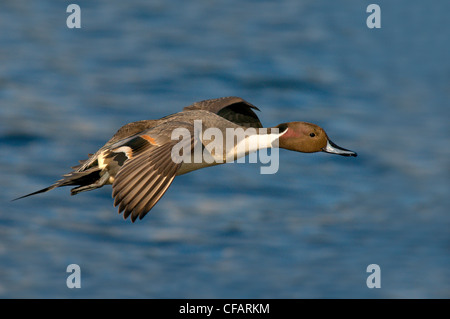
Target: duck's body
{"x": 142, "y": 158}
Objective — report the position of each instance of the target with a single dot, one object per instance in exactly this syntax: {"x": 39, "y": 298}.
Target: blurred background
{"x": 308, "y": 231}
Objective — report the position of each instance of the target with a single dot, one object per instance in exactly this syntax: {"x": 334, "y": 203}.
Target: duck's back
{"x": 131, "y": 129}
{"x": 231, "y": 108}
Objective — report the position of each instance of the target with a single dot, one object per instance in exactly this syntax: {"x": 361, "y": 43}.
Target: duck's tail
{"x": 87, "y": 180}
{"x": 38, "y": 192}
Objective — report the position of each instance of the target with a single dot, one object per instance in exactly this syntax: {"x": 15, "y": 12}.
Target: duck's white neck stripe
{"x": 254, "y": 142}
{"x": 212, "y": 148}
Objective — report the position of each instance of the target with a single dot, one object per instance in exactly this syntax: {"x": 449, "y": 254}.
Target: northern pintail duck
{"x": 139, "y": 160}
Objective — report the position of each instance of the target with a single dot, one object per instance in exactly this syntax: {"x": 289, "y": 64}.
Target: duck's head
{"x": 308, "y": 138}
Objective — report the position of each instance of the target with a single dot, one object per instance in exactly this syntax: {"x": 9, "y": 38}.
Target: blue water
{"x": 308, "y": 231}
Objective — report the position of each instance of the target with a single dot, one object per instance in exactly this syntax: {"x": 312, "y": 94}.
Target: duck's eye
{"x": 312, "y": 134}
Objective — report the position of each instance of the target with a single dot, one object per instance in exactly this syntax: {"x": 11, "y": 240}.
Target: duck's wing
{"x": 231, "y": 108}
{"x": 150, "y": 168}
{"x": 122, "y": 133}
{"x": 141, "y": 166}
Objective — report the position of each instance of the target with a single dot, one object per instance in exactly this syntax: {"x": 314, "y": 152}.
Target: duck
{"x": 140, "y": 163}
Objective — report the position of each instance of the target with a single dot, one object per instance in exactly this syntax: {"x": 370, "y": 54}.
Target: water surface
{"x": 308, "y": 231}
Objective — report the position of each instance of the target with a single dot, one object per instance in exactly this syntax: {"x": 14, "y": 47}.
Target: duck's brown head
{"x": 308, "y": 138}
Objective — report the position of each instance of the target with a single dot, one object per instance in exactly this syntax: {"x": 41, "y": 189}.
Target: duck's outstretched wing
{"x": 231, "y": 108}
{"x": 149, "y": 170}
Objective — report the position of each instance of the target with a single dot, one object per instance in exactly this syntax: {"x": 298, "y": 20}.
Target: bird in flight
{"x": 140, "y": 162}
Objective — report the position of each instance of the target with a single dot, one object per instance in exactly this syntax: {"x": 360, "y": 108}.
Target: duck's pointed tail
{"x": 86, "y": 180}
{"x": 38, "y": 192}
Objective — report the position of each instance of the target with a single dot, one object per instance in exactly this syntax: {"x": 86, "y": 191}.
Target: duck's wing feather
{"x": 123, "y": 133}
{"x": 231, "y": 108}
{"x": 149, "y": 170}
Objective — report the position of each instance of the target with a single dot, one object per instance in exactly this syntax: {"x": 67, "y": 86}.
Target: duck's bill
{"x": 334, "y": 149}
